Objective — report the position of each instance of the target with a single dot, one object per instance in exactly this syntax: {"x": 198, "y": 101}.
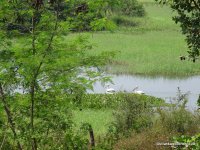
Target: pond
{"x": 165, "y": 88}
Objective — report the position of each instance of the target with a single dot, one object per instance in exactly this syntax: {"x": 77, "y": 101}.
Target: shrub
{"x": 124, "y": 21}
{"x": 167, "y": 123}
{"x": 189, "y": 142}
{"x": 99, "y": 101}
{"x": 133, "y": 114}
{"x": 178, "y": 118}
{"x": 87, "y": 15}
{"x": 130, "y": 8}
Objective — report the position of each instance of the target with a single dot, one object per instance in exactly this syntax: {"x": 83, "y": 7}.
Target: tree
{"x": 130, "y": 8}
{"x": 82, "y": 14}
{"x": 188, "y": 15}
{"x": 45, "y": 67}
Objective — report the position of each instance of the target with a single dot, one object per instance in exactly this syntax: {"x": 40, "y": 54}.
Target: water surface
{"x": 160, "y": 87}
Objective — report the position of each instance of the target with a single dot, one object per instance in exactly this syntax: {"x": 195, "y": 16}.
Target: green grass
{"x": 146, "y": 53}
{"x": 152, "y": 47}
{"x": 158, "y": 18}
{"x": 99, "y": 119}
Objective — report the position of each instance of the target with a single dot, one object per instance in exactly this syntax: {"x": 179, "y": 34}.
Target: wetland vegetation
{"x": 49, "y": 49}
{"x": 149, "y": 45}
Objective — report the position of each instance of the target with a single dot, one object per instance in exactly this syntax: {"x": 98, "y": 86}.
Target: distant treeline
{"x": 81, "y": 15}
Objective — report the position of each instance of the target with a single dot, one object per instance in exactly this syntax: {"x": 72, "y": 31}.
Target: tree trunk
{"x": 92, "y": 140}
{"x": 9, "y": 115}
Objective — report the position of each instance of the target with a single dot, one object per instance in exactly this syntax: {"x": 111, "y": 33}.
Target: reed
{"x": 149, "y": 45}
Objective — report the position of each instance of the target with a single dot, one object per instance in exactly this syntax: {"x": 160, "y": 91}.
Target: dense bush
{"x": 130, "y": 8}
{"x": 81, "y": 15}
{"x": 55, "y": 129}
{"x": 133, "y": 114}
{"x": 179, "y": 120}
{"x": 87, "y": 15}
{"x": 169, "y": 124}
{"x": 189, "y": 142}
{"x": 101, "y": 101}
{"x": 94, "y": 15}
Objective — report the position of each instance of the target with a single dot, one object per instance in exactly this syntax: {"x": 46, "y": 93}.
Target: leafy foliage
{"x": 169, "y": 125}
{"x": 82, "y": 15}
{"x": 188, "y": 142}
{"x": 36, "y": 67}
{"x": 178, "y": 118}
{"x": 132, "y": 115}
{"x": 130, "y": 8}
{"x": 95, "y": 15}
{"x": 87, "y": 14}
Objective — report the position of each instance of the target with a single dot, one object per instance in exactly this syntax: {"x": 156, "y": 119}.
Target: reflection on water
{"x": 159, "y": 87}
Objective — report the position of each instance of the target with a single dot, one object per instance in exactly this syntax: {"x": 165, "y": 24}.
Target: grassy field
{"x": 99, "y": 119}
{"x": 151, "y": 47}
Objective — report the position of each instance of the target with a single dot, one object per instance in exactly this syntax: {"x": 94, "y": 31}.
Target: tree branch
{"x": 2, "y": 143}
{"x": 36, "y": 73}
{"x": 9, "y": 115}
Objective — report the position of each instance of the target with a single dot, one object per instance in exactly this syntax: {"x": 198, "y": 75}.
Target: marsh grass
{"x": 147, "y": 54}
{"x": 99, "y": 119}
{"x": 149, "y": 45}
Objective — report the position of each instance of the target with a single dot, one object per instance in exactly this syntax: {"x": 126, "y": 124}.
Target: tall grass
{"x": 150, "y": 45}
{"x": 146, "y": 53}
{"x": 99, "y": 119}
